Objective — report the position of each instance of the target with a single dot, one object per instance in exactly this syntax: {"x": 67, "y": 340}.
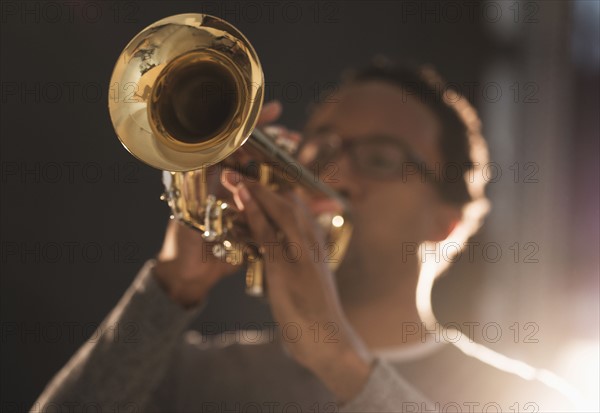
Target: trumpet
{"x": 185, "y": 94}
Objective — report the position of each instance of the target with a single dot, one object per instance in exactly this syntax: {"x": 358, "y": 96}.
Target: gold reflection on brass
{"x": 185, "y": 94}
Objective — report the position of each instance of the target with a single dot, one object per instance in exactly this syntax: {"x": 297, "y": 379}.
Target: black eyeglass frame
{"x": 351, "y": 147}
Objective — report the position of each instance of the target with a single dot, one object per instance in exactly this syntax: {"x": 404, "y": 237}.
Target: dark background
{"x": 80, "y": 216}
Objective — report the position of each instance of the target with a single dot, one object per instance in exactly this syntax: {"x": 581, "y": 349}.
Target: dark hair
{"x": 461, "y": 128}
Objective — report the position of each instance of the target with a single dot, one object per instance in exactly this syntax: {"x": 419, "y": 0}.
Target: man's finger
{"x": 270, "y": 112}
{"x": 262, "y": 231}
{"x": 284, "y": 213}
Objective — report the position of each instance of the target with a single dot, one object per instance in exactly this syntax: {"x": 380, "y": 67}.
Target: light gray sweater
{"x": 141, "y": 360}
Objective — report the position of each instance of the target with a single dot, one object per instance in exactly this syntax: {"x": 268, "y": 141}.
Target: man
{"x": 385, "y": 130}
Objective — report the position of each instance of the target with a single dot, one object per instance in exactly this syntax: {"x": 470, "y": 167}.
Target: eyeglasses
{"x": 376, "y": 157}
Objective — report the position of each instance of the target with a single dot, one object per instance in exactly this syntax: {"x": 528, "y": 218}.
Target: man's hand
{"x": 185, "y": 266}
{"x": 301, "y": 288}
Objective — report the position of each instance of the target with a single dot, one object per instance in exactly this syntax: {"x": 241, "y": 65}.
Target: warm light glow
{"x": 227, "y": 244}
{"x": 579, "y": 364}
{"x": 337, "y": 221}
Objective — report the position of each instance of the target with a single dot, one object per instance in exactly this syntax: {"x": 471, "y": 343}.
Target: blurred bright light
{"x": 337, "y": 221}
{"x": 578, "y": 363}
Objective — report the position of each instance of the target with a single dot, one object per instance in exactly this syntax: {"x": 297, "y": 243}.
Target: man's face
{"x": 387, "y": 212}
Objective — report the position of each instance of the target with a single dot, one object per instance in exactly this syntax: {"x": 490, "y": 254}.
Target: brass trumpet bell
{"x": 186, "y": 92}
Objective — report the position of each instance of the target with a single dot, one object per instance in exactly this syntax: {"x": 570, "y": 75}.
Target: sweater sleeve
{"x": 387, "y": 391}
{"x": 117, "y": 369}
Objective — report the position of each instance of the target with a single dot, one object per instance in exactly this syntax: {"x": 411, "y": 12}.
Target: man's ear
{"x": 444, "y": 220}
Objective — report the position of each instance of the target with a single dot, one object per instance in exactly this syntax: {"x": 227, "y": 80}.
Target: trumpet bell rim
{"x": 156, "y": 52}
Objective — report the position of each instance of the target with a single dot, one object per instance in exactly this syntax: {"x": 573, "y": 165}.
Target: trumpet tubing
{"x": 197, "y": 93}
